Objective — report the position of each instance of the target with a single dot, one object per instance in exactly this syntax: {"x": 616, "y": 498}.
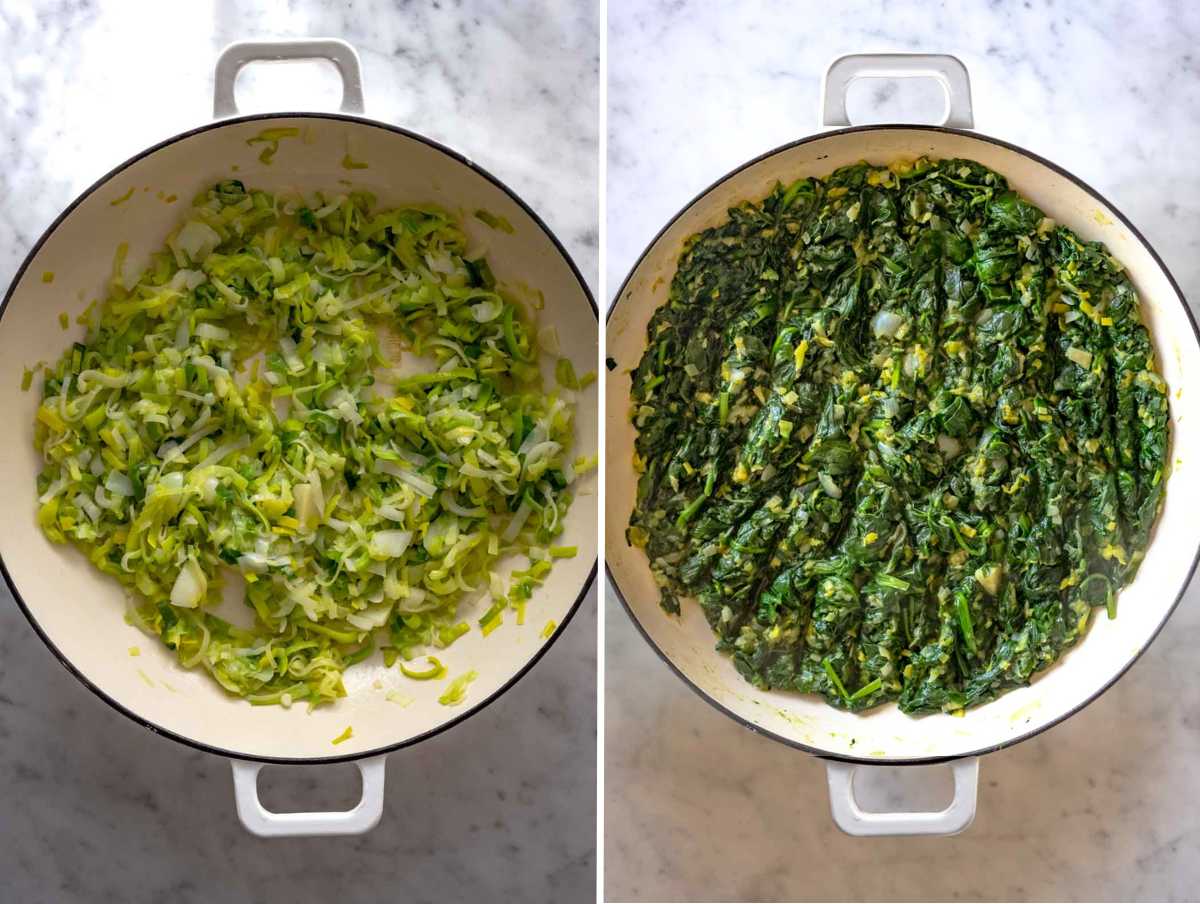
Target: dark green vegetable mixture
{"x": 899, "y": 434}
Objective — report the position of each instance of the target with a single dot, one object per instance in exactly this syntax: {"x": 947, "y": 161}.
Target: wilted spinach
{"x": 899, "y": 433}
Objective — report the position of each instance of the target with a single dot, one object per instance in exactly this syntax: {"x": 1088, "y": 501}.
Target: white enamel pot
{"x": 79, "y": 613}
{"x": 887, "y": 736}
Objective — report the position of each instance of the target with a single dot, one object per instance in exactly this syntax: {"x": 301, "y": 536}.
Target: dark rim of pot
{"x": 924, "y": 760}
{"x": 465, "y": 714}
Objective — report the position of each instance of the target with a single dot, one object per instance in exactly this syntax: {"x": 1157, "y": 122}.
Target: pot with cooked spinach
{"x": 899, "y": 435}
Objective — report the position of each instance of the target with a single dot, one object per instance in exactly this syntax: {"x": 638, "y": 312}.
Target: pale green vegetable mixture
{"x": 361, "y": 514}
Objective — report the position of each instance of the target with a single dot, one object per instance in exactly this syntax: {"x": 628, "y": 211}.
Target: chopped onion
{"x": 186, "y": 279}
{"x": 948, "y": 445}
{"x": 440, "y": 263}
{"x": 211, "y": 331}
{"x": 118, "y": 483}
{"x": 54, "y": 489}
{"x": 390, "y": 543}
{"x": 103, "y": 499}
{"x": 197, "y": 240}
{"x": 253, "y": 561}
{"x": 190, "y": 586}
{"x": 287, "y": 351}
{"x": 310, "y": 503}
{"x": 391, "y": 513}
{"x": 371, "y": 618}
{"x": 886, "y": 323}
{"x": 417, "y": 600}
{"x": 170, "y": 483}
{"x": 1080, "y": 356}
{"x": 340, "y": 401}
{"x": 912, "y": 364}
{"x": 487, "y": 310}
{"x": 828, "y": 485}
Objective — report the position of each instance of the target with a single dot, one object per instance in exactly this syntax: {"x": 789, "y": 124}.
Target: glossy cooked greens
{"x": 359, "y": 513}
{"x": 899, "y": 433}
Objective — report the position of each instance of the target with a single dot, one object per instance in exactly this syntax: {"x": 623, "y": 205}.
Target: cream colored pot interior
{"x": 1110, "y": 646}
{"x": 81, "y": 611}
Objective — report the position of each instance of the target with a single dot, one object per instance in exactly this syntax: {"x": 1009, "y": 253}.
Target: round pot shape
{"x": 886, "y": 735}
{"x": 79, "y": 613}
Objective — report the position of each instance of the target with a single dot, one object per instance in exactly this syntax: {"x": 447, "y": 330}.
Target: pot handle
{"x": 240, "y": 53}
{"x": 261, "y": 821}
{"x": 947, "y": 70}
{"x": 852, "y": 820}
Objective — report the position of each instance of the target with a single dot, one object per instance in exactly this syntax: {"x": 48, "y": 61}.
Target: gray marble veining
{"x": 1099, "y": 808}
{"x": 94, "y": 808}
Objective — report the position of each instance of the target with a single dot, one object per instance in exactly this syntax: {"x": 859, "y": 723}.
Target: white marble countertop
{"x": 94, "y": 808}
{"x": 1101, "y": 807}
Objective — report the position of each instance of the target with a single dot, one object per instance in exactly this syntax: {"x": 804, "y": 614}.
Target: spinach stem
{"x": 835, "y": 680}
{"x": 867, "y": 690}
{"x": 964, "y": 622}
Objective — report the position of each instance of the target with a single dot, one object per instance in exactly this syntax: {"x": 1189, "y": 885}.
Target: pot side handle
{"x": 853, "y": 820}
{"x": 363, "y": 817}
{"x": 241, "y": 53}
{"x": 948, "y": 70}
